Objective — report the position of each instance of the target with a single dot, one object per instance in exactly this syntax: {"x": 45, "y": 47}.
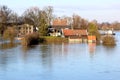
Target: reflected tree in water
{"x": 9, "y": 45}
{"x": 92, "y": 48}
{"x": 46, "y": 56}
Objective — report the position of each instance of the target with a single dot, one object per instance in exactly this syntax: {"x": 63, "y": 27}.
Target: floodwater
{"x": 60, "y": 61}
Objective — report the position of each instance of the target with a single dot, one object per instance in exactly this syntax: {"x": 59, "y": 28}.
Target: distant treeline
{"x": 42, "y": 18}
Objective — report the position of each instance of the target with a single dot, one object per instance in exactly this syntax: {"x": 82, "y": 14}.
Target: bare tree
{"x": 31, "y": 16}
{"x": 49, "y": 14}
{"x": 84, "y": 24}
{"x": 69, "y": 20}
{"x": 79, "y": 23}
{"x": 13, "y": 18}
{"x": 5, "y": 13}
{"x": 115, "y": 25}
{"x": 76, "y": 21}
{"x": 39, "y": 18}
{"x": 5, "y": 16}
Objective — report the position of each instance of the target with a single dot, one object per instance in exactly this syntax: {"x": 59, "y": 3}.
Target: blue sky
{"x": 101, "y": 10}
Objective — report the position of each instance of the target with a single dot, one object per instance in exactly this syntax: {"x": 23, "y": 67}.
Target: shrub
{"x": 10, "y": 34}
{"x": 30, "y": 39}
{"x": 109, "y": 40}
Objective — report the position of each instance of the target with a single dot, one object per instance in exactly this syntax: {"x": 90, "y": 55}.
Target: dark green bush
{"x": 30, "y": 39}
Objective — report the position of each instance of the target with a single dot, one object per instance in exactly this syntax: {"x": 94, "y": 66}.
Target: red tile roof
{"x": 59, "y": 22}
{"x": 69, "y": 32}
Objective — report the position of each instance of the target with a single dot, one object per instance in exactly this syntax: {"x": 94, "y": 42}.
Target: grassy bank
{"x": 33, "y": 39}
{"x": 50, "y": 39}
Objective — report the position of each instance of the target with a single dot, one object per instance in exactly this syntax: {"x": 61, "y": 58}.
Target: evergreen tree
{"x": 43, "y": 28}
{"x": 93, "y": 30}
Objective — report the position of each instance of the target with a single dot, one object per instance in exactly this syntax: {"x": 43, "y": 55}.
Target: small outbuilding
{"x": 91, "y": 38}
{"x": 75, "y": 35}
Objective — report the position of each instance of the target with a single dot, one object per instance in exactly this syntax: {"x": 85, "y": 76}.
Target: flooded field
{"x": 60, "y": 61}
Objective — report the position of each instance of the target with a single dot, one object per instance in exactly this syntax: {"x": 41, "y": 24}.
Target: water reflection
{"x": 7, "y": 54}
{"x": 59, "y": 61}
{"x": 8, "y": 45}
{"x": 46, "y": 56}
{"x": 29, "y": 53}
{"x": 51, "y": 52}
{"x": 26, "y": 49}
{"x": 92, "y": 47}
{"x": 110, "y": 50}
{"x": 25, "y": 52}
{"x": 54, "y": 49}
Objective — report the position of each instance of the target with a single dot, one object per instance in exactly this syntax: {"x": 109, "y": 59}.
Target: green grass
{"x": 53, "y": 39}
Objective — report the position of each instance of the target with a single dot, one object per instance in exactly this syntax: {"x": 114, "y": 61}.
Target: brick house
{"x": 57, "y": 26}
